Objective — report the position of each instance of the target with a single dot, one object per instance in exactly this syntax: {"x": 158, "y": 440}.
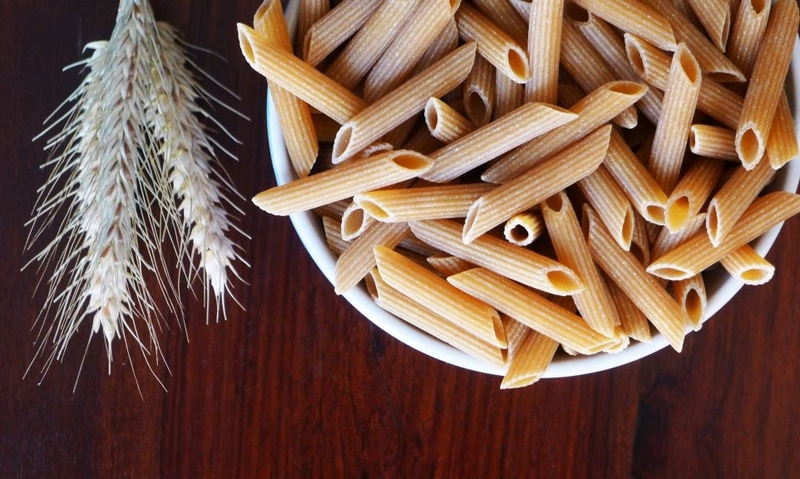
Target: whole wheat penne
{"x": 641, "y": 189}
{"x": 402, "y": 103}
{"x": 733, "y": 198}
{"x": 354, "y": 221}
{"x": 524, "y": 228}
{"x": 531, "y": 309}
{"x": 678, "y": 109}
{"x": 517, "y": 263}
{"x": 310, "y": 12}
{"x": 642, "y": 289}
{"x": 448, "y": 265}
{"x": 594, "y": 303}
{"x": 594, "y": 110}
{"x": 715, "y": 16}
{"x": 479, "y": 92}
{"x": 712, "y": 141}
{"x": 377, "y": 171}
{"x": 439, "y": 296}
{"x": 612, "y": 206}
{"x": 408, "y": 46}
{"x": 509, "y": 95}
{"x": 712, "y": 61}
{"x": 542, "y": 181}
{"x": 640, "y": 241}
{"x": 298, "y": 77}
{"x": 632, "y": 321}
{"x": 335, "y": 210}
{"x": 666, "y": 241}
{"x": 544, "y": 49}
{"x": 589, "y": 69}
{"x": 746, "y": 33}
{"x": 363, "y": 50}
{"x": 690, "y": 293}
{"x": 423, "y": 318}
{"x": 503, "y": 14}
{"x": 445, "y": 42}
{"x": 692, "y": 192}
{"x": 749, "y": 267}
{"x": 611, "y": 46}
{"x": 294, "y": 116}
{"x": 444, "y": 122}
{"x": 493, "y": 139}
{"x": 782, "y": 144}
{"x": 634, "y": 17}
{"x": 529, "y": 360}
{"x": 494, "y": 44}
{"x": 358, "y": 259}
{"x": 766, "y": 82}
{"x": 699, "y": 253}
{"x": 333, "y": 235}
{"x": 713, "y": 99}
{"x": 335, "y": 27}
{"x": 421, "y": 140}
{"x": 422, "y": 203}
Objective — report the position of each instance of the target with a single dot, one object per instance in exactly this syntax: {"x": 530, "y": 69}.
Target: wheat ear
{"x": 105, "y": 177}
{"x": 198, "y": 183}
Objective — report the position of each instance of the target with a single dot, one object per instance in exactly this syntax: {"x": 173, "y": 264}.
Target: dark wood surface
{"x": 299, "y": 385}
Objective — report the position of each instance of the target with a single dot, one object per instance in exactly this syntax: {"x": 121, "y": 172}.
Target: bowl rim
{"x": 720, "y": 287}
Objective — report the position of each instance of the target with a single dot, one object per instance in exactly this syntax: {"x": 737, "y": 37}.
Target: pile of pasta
{"x": 512, "y": 177}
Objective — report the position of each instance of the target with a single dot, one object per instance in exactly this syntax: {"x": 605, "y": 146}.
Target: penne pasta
{"x": 298, "y": 77}
{"x": 516, "y": 263}
{"x": 699, "y": 253}
{"x": 611, "y": 46}
{"x": 509, "y": 95}
{"x": 492, "y": 140}
{"x": 423, "y": 318}
{"x": 310, "y": 12}
{"x": 690, "y": 293}
{"x": 335, "y": 27}
{"x": 691, "y": 193}
{"x": 531, "y": 309}
{"x": 503, "y": 14}
{"x": 632, "y": 321}
{"x": 782, "y": 144}
{"x": 401, "y": 104}
{"x": 713, "y": 141}
{"x": 642, "y": 289}
{"x": 494, "y": 44}
{"x": 733, "y": 198}
{"x": 407, "y": 47}
{"x": 524, "y": 228}
{"x": 593, "y": 111}
{"x": 294, "y": 116}
{"x": 534, "y": 186}
{"x": 333, "y": 235}
{"x": 589, "y": 69}
{"x": 358, "y": 259}
{"x": 611, "y": 204}
{"x": 377, "y": 171}
{"x": 766, "y": 82}
{"x": 354, "y": 221}
{"x": 748, "y": 266}
{"x": 444, "y": 123}
{"x": 634, "y": 17}
{"x": 639, "y": 186}
{"x": 712, "y": 61}
{"x": 594, "y": 303}
{"x": 363, "y": 50}
{"x": 715, "y": 16}
{"x": 544, "y": 49}
{"x": 479, "y": 92}
{"x": 447, "y": 265}
{"x": 713, "y": 99}
{"x": 672, "y": 131}
{"x": 666, "y": 241}
{"x": 747, "y": 32}
{"x": 421, "y": 203}
{"x": 439, "y": 296}
{"x": 529, "y": 360}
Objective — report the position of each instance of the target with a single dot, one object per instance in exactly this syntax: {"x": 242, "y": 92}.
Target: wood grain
{"x": 299, "y": 385}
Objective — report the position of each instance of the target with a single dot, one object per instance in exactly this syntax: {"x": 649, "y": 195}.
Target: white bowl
{"x": 720, "y": 286}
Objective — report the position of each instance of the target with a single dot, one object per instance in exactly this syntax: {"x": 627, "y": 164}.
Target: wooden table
{"x": 298, "y": 384}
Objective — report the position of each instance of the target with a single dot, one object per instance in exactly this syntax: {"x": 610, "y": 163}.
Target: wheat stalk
{"x": 131, "y": 160}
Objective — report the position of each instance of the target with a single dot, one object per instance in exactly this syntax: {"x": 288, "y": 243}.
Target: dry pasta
{"x": 444, "y": 122}
{"x": 421, "y": 203}
{"x": 544, "y": 50}
{"x": 335, "y": 27}
{"x": 749, "y": 267}
{"x": 634, "y": 17}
